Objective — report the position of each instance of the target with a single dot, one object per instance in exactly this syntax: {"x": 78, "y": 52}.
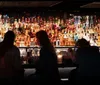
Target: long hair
{"x": 7, "y": 43}
{"x": 44, "y": 41}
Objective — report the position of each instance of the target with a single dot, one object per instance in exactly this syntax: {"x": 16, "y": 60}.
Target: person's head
{"x": 42, "y": 38}
{"x": 44, "y": 41}
{"x": 9, "y": 37}
{"x": 7, "y": 42}
{"x": 82, "y": 43}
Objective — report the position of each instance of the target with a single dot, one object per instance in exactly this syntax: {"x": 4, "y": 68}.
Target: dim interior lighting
{"x": 59, "y": 56}
{"x": 58, "y": 51}
{"x": 64, "y": 79}
{"x": 24, "y": 62}
{"x": 32, "y": 39}
{"x": 70, "y": 14}
{"x": 0, "y": 15}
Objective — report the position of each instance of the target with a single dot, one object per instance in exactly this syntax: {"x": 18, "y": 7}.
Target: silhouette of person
{"x": 88, "y": 61}
{"x": 10, "y": 63}
{"x": 82, "y": 43}
{"x": 47, "y": 67}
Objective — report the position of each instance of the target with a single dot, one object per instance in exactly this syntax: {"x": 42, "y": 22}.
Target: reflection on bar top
{"x": 55, "y": 47}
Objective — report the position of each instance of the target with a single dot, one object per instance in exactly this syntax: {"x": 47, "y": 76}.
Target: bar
{"x": 64, "y": 29}
{"x": 65, "y": 21}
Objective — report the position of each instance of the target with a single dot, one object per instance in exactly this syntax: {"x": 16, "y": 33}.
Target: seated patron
{"x": 10, "y": 63}
{"x": 46, "y": 67}
{"x": 88, "y": 63}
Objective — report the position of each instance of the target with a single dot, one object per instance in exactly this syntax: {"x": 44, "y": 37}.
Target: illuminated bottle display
{"x": 61, "y": 32}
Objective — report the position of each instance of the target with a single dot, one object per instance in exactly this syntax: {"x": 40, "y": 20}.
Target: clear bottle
{"x": 57, "y": 42}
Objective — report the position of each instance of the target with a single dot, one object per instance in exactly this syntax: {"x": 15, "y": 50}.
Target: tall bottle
{"x": 57, "y": 42}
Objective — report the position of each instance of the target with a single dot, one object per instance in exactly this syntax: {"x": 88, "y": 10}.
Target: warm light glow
{"x": 59, "y": 56}
{"x": 57, "y": 51}
{"x": 59, "y": 59}
{"x": 0, "y": 15}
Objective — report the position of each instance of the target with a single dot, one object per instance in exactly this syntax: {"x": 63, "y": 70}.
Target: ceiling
{"x": 50, "y": 3}
{"x": 36, "y": 5}
{"x": 28, "y": 3}
{"x": 62, "y": 3}
{"x": 91, "y": 5}
{"x": 66, "y": 4}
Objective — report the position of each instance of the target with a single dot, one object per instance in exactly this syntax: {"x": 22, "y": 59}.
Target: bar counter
{"x": 59, "y": 66}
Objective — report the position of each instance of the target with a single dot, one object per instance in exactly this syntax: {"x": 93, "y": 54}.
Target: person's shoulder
{"x": 43, "y": 49}
{"x": 15, "y": 47}
{"x": 83, "y": 49}
{"x": 95, "y": 49}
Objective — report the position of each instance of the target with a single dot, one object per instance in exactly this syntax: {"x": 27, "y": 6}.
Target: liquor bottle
{"x": 57, "y": 42}
{"x": 79, "y": 19}
{"x": 91, "y": 21}
{"x": 87, "y": 21}
{"x": 22, "y": 19}
{"x": 29, "y": 20}
{"x": 25, "y": 20}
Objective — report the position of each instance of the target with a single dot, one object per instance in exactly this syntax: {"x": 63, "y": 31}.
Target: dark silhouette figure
{"x": 46, "y": 67}
{"x": 82, "y": 43}
{"x": 10, "y": 63}
{"x": 88, "y": 63}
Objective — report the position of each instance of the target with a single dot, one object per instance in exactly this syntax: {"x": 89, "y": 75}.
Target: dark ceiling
{"x": 65, "y": 5}
{"x": 53, "y": 3}
{"x": 28, "y": 3}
